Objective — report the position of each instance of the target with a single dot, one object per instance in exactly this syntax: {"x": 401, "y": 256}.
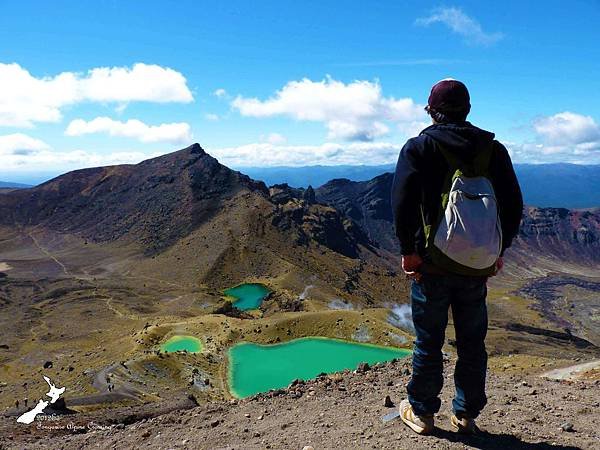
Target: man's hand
{"x": 499, "y": 266}
{"x": 411, "y": 264}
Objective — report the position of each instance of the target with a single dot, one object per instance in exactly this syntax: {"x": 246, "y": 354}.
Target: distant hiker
{"x": 17, "y": 404}
{"x": 457, "y": 207}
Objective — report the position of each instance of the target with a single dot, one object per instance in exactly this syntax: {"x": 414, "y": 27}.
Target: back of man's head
{"x": 449, "y": 101}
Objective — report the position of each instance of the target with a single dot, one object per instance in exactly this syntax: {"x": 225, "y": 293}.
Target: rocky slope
{"x": 154, "y": 203}
{"x": 325, "y": 224}
{"x": 367, "y": 203}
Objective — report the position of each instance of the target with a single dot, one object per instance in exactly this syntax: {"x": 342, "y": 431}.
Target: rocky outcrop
{"x": 321, "y": 223}
{"x": 299, "y": 210}
{"x": 365, "y": 202}
{"x": 563, "y": 233}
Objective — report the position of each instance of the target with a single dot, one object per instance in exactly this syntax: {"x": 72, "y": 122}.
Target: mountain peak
{"x": 154, "y": 202}
{"x": 195, "y": 149}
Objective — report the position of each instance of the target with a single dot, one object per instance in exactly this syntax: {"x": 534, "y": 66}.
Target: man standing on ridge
{"x": 457, "y": 206}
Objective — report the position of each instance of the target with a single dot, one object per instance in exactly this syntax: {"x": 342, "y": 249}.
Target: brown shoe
{"x": 464, "y": 424}
{"x": 419, "y": 424}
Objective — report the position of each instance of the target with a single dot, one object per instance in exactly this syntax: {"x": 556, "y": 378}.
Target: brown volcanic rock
{"x": 297, "y": 209}
{"x": 323, "y": 224}
{"x": 154, "y": 202}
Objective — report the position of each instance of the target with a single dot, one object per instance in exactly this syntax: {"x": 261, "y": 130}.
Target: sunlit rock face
{"x": 572, "y": 235}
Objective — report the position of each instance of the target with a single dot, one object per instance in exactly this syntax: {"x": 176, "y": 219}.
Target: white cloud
{"x": 211, "y": 117}
{"x": 220, "y": 93}
{"x": 462, "y": 24}
{"x": 565, "y": 136}
{"x": 143, "y": 82}
{"x": 536, "y": 153}
{"x": 25, "y": 99}
{"x": 77, "y": 159}
{"x": 166, "y": 132}
{"x": 266, "y": 154}
{"x": 22, "y": 153}
{"x": 353, "y": 111}
{"x": 19, "y": 144}
{"x": 568, "y": 128}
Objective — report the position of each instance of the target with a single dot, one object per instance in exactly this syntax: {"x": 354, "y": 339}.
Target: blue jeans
{"x": 430, "y": 299}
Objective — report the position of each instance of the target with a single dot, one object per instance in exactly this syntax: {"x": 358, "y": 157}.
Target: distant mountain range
{"x": 543, "y": 185}
{"x": 560, "y": 185}
{"x": 8, "y": 184}
{"x": 313, "y": 175}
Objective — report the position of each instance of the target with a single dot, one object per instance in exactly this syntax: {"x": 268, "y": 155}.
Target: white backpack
{"x": 467, "y": 238}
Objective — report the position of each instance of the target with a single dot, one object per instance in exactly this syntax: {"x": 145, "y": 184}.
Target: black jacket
{"x": 422, "y": 170}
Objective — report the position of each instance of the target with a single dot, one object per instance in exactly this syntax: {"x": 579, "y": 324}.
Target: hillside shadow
{"x": 490, "y": 441}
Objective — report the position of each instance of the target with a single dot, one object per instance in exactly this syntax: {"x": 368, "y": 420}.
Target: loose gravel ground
{"x": 343, "y": 411}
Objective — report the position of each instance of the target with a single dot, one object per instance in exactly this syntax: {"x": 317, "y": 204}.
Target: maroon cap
{"x": 450, "y": 96}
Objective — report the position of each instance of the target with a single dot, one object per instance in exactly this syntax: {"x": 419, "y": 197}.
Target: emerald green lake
{"x": 180, "y": 343}
{"x": 248, "y": 295}
{"x": 257, "y": 368}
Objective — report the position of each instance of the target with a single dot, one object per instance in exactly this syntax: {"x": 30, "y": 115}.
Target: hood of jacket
{"x": 464, "y": 140}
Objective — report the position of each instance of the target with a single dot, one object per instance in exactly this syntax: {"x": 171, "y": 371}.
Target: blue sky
{"x": 288, "y": 83}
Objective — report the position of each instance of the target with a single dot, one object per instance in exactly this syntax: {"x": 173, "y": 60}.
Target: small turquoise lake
{"x": 181, "y": 343}
{"x": 248, "y": 295}
{"x": 255, "y": 368}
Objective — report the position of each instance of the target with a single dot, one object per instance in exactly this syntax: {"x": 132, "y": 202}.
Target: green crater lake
{"x": 180, "y": 343}
{"x": 255, "y": 368}
{"x": 248, "y": 295}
